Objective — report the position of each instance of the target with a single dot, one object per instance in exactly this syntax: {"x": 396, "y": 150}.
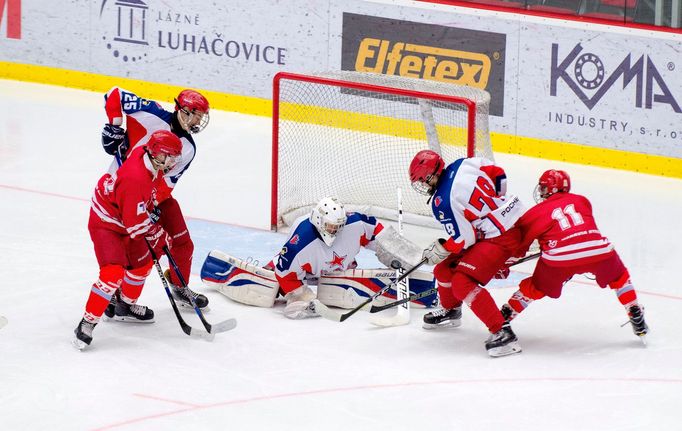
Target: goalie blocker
{"x": 248, "y": 284}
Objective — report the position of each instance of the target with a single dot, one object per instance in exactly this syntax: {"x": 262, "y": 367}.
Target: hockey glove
{"x": 112, "y": 139}
{"x": 435, "y": 253}
{"x": 157, "y": 238}
{"x": 502, "y": 273}
{"x": 154, "y": 214}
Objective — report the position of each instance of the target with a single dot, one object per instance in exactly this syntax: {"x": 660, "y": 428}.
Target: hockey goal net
{"x": 353, "y": 135}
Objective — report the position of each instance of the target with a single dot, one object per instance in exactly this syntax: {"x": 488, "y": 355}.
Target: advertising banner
{"x": 426, "y": 51}
{"x": 234, "y": 47}
{"x": 605, "y": 90}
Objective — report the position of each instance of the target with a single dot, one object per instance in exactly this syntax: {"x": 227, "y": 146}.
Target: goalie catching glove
{"x": 391, "y": 247}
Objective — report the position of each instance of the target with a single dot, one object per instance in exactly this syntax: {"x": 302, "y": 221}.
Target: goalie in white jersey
{"x": 321, "y": 249}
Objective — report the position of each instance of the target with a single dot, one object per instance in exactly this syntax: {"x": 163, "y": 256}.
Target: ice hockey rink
{"x": 579, "y": 370}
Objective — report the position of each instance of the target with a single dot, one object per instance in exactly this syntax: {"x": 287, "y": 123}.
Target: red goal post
{"x": 352, "y": 135}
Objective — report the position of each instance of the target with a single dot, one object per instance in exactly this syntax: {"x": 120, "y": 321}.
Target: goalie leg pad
{"x": 349, "y": 289}
{"x": 240, "y": 281}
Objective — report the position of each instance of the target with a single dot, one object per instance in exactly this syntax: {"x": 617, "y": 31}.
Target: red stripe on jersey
{"x": 112, "y": 107}
{"x": 289, "y": 282}
{"x": 494, "y": 221}
{"x": 363, "y": 240}
{"x": 470, "y": 216}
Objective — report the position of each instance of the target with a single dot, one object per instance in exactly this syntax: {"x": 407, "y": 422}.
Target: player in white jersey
{"x": 468, "y": 198}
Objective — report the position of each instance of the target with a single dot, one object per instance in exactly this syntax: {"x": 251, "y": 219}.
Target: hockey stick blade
{"x": 389, "y": 321}
{"x": 197, "y": 333}
{"x": 416, "y": 296}
{"x": 326, "y": 312}
{"x": 224, "y": 326}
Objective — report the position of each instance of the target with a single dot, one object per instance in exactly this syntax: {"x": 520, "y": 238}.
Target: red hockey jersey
{"x": 123, "y": 200}
{"x": 566, "y": 231}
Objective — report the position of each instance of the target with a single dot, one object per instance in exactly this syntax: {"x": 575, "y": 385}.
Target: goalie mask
{"x": 550, "y": 182}
{"x": 329, "y": 218}
{"x": 425, "y": 171}
{"x": 192, "y": 111}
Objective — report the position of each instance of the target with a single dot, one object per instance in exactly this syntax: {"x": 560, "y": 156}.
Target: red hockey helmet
{"x": 425, "y": 169}
{"x": 164, "y": 149}
{"x": 550, "y": 182}
{"x": 192, "y": 109}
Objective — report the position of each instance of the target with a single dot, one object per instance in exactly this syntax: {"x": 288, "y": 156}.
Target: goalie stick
{"x": 402, "y": 315}
{"x": 416, "y": 296}
{"x": 336, "y": 316}
{"x": 223, "y": 326}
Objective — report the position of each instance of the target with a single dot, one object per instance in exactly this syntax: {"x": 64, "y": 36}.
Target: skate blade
{"x": 509, "y": 349}
{"x": 127, "y": 319}
{"x": 451, "y": 324}
{"x": 78, "y": 344}
{"x": 642, "y": 338}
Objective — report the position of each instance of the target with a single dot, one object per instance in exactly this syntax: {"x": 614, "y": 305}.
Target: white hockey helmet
{"x": 329, "y": 218}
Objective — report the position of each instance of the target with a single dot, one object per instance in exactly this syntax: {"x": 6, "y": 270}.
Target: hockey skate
{"x": 180, "y": 295}
{"x": 110, "y": 311}
{"x": 83, "y": 334}
{"x": 125, "y": 312}
{"x": 442, "y": 318}
{"x": 502, "y": 342}
{"x": 508, "y": 313}
{"x": 639, "y": 326}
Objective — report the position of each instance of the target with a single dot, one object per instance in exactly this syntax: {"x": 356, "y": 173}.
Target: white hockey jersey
{"x": 306, "y": 255}
{"x": 470, "y": 202}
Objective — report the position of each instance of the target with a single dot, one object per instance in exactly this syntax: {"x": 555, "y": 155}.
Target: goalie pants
{"x": 466, "y": 274}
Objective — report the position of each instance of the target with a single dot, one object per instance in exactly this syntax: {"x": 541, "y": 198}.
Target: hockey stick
{"x": 223, "y": 326}
{"x": 416, "y": 296}
{"x": 402, "y": 315}
{"x": 330, "y": 314}
{"x": 192, "y": 332}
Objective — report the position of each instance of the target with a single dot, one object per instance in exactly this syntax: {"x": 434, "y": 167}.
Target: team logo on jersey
{"x": 552, "y": 243}
{"x": 294, "y": 239}
{"x": 441, "y": 215}
{"x": 337, "y": 261}
{"x": 283, "y": 251}
{"x": 437, "y": 201}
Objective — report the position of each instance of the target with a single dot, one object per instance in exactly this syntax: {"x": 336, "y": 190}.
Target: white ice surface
{"x": 579, "y": 369}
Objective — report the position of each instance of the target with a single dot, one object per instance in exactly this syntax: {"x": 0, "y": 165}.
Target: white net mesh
{"x": 357, "y": 144}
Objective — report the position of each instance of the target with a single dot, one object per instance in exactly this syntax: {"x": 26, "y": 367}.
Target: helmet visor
{"x": 193, "y": 121}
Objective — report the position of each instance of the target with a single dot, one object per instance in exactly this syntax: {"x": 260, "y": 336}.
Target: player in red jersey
{"x": 142, "y": 118}
{"x": 122, "y": 228}
{"x": 571, "y": 244}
